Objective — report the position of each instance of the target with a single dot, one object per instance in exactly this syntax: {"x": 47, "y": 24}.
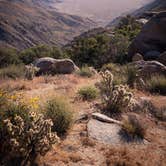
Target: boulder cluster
{"x": 148, "y": 50}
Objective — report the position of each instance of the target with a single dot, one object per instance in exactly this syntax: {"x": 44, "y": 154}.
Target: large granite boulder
{"x": 151, "y": 38}
{"x": 162, "y": 58}
{"x": 148, "y": 68}
{"x": 49, "y": 65}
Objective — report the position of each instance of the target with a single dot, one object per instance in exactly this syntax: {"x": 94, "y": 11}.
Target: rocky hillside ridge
{"x": 27, "y": 23}
{"x": 151, "y": 41}
{"x": 155, "y": 6}
{"x": 145, "y": 12}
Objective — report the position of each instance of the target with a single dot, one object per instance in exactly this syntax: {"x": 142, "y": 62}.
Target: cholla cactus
{"x": 30, "y": 71}
{"x": 106, "y": 85}
{"x": 116, "y": 98}
{"x": 27, "y": 138}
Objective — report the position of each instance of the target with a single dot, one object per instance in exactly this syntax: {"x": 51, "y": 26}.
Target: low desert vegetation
{"x": 24, "y": 133}
{"x": 85, "y": 72}
{"x": 160, "y": 113}
{"x": 157, "y": 84}
{"x": 60, "y": 112}
{"x": 12, "y": 72}
{"x": 87, "y": 93}
{"x": 8, "y": 56}
{"x": 134, "y": 128}
{"x": 132, "y": 76}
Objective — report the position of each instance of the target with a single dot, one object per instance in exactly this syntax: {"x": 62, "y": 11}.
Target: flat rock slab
{"x": 104, "y": 118}
{"x": 107, "y": 133}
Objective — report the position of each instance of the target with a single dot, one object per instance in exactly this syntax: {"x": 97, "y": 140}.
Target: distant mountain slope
{"x": 25, "y": 23}
{"x": 155, "y": 6}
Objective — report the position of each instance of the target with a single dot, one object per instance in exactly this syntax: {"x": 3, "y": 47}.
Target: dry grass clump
{"x": 118, "y": 71}
{"x": 132, "y": 76}
{"x": 160, "y": 113}
{"x": 85, "y": 72}
{"x": 12, "y": 72}
{"x": 134, "y": 156}
{"x": 60, "y": 111}
{"x": 87, "y": 93}
{"x": 133, "y": 127}
{"x": 157, "y": 84}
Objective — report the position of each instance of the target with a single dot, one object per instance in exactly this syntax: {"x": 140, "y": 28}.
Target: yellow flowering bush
{"x": 116, "y": 98}
{"x": 23, "y": 132}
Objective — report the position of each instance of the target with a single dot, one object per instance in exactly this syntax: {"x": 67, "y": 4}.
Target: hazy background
{"x": 102, "y": 11}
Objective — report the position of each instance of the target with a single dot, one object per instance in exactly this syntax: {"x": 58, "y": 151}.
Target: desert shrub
{"x": 12, "y": 72}
{"x": 90, "y": 50}
{"x": 112, "y": 67}
{"x": 23, "y": 133}
{"x": 160, "y": 113}
{"x": 88, "y": 93}
{"x": 132, "y": 76}
{"x": 8, "y": 56}
{"x": 119, "y": 48}
{"x": 128, "y": 27}
{"x": 156, "y": 84}
{"x": 85, "y": 72}
{"x": 116, "y": 98}
{"x": 59, "y": 110}
{"x": 133, "y": 127}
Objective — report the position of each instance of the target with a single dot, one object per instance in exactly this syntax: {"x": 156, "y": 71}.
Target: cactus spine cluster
{"x": 116, "y": 98}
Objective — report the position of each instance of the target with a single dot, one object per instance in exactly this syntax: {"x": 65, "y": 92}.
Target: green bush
{"x": 88, "y": 93}
{"x": 128, "y": 27}
{"x": 13, "y": 72}
{"x": 119, "y": 48}
{"x": 29, "y": 55}
{"x": 8, "y": 56}
{"x": 24, "y": 134}
{"x": 134, "y": 127}
{"x": 91, "y": 51}
{"x": 157, "y": 84}
{"x": 59, "y": 110}
{"x": 85, "y": 72}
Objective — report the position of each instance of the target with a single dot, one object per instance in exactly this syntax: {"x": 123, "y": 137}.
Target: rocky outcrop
{"x": 151, "y": 38}
{"x": 49, "y": 65}
{"x": 104, "y": 132}
{"x": 148, "y": 68}
{"x": 162, "y": 58}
